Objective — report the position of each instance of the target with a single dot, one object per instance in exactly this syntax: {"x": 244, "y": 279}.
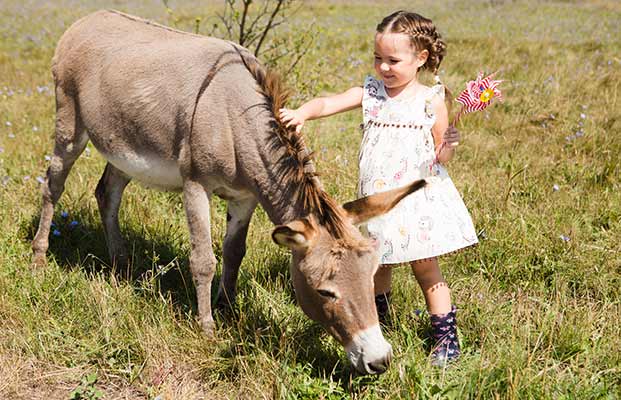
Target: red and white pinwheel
{"x": 478, "y": 95}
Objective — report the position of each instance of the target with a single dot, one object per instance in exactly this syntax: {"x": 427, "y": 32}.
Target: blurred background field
{"x": 539, "y": 298}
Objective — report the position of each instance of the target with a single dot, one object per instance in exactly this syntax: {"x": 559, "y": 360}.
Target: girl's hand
{"x": 451, "y": 136}
{"x": 292, "y": 118}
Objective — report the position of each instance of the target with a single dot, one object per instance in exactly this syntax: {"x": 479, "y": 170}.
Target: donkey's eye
{"x": 327, "y": 294}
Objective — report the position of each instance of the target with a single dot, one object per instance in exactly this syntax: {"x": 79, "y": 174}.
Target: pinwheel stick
{"x": 457, "y": 117}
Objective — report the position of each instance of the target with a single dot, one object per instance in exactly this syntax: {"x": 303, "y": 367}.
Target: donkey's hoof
{"x": 39, "y": 260}
{"x": 209, "y": 327}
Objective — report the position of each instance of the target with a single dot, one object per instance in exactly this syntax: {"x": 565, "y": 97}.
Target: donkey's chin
{"x": 369, "y": 352}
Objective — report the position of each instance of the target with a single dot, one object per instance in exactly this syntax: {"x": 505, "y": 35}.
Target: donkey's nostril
{"x": 378, "y": 367}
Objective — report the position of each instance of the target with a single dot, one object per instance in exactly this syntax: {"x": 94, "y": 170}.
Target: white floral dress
{"x": 398, "y": 148}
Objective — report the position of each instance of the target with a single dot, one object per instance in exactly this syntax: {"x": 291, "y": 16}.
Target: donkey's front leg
{"x": 202, "y": 259}
{"x": 238, "y": 217}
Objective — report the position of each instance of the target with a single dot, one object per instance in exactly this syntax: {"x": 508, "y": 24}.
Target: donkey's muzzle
{"x": 379, "y": 366}
{"x": 369, "y": 352}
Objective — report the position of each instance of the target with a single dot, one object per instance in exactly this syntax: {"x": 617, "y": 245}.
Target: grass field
{"x": 539, "y": 299}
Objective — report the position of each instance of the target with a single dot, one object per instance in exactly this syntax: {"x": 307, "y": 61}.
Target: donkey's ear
{"x": 365, "y": 208}
{"x": 297, "y": 235}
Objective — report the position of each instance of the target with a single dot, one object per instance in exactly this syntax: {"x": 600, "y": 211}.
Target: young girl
{"x": 405, "y": 124}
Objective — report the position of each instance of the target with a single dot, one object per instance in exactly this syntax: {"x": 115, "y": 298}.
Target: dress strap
{"x": 437, "y": 90}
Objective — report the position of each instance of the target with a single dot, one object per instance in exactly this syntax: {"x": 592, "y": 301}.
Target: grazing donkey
{"x": 180, "y": 111}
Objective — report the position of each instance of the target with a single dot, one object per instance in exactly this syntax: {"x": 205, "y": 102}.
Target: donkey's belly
{"x": 150, "y": 170}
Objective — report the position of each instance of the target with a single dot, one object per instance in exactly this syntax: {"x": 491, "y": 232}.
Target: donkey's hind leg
{"x": 109, "y": 193}
{"x": 238, "y": 217}
{"x": 71, "y": 138}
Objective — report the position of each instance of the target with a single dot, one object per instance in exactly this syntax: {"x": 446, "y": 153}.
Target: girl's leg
{"x": 432, "y": 283}
{"x": 442, "y": 314}
{"x": 383, "y": 279}
{"x": 383, "y": 284}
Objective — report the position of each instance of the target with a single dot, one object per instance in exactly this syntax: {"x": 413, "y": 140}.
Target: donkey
{"x": 179, "y": 111}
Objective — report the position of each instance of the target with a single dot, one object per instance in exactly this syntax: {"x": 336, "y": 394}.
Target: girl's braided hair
{"x": 423, "y": 36}
{"x": 422, "y": 33}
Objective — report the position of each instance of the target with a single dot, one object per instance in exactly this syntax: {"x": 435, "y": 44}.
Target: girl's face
{"x": 396, "y": 61}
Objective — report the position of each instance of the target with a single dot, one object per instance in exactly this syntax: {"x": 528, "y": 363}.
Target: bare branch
{"x": 259, "y": 17}
{"x": 226, "y": 19}
{"x": 242, "y": 24}
{"x": 252, "y": 23}
{"x": 268, "y": 26}
{"x": 298, "y": 58}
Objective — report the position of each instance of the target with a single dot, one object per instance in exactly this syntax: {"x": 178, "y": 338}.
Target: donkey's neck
{"x": 279, "y": 194}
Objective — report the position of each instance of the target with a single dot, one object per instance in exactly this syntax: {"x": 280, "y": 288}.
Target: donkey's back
{"x": 133, "y": 85}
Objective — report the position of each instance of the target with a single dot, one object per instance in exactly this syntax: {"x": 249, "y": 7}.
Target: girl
{"x": 405, "y": 124}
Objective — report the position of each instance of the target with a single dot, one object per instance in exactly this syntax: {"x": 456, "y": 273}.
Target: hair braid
{"x": 423, "y": 36}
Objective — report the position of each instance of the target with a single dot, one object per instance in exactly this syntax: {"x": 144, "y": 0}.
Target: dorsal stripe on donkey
{"x": 297, "y": 163}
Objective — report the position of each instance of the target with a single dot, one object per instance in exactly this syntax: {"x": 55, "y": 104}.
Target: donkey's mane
{"x": 297, "y": 163}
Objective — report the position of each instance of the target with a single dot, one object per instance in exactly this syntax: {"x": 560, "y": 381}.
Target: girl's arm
{"x": 442, "y": 132}
{"x": 322, "y": 107}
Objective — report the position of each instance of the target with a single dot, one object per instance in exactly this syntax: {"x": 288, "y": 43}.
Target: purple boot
{"x": 444, "y": 333}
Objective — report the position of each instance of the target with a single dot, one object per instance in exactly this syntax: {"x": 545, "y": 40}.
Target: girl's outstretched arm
{"x": 442, "y": 132}
{"x": 322, "y": 107}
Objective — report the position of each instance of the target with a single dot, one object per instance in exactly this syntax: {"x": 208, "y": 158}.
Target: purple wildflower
{"x": 56, "y": 232}
{"x": 64, "y": 214}
{"x": 73, "y": 224}
{"x": 11, "y": 136}
{"x": 47, "y": 158}
{"x": 565, "y": 238}
{"x": 556, "y": 188}
{"x": 40, "y": 179}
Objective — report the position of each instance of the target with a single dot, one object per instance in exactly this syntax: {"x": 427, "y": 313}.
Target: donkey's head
{"x": 333, "y": 277}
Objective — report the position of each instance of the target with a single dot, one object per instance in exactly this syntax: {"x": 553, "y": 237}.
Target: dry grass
{"x": 539, "y": 315}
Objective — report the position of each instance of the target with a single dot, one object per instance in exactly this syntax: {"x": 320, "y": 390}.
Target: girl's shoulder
{"x": 429, "y": 93}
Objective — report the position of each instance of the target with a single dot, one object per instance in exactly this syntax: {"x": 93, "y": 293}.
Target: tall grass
{"x": 539, "y": 298}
